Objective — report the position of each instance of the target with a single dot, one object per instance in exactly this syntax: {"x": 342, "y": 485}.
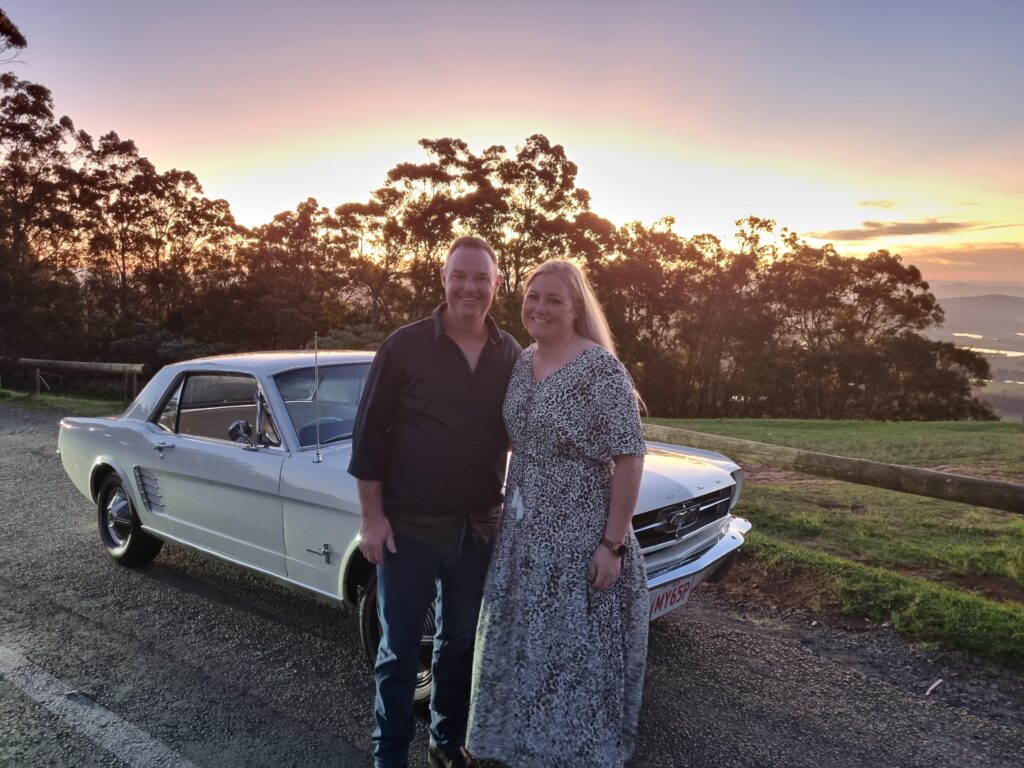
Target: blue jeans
{"x": 406, "y": 583}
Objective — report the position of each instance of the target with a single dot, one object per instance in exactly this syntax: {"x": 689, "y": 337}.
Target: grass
{"x": 920, "y": 609}
{"x": 986, "y": 447}
{"x": 910, "y": 534}
{"x": 939, "y": 572}
{"x": 75, "y": 406}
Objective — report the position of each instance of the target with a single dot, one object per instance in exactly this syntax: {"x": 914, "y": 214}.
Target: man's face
{"x": 470, "y": 280}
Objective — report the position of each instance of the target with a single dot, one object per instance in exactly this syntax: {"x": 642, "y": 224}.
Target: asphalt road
{"x": 190, "y": 662}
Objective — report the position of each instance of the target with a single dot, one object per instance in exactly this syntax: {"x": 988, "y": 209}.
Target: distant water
{"x": 995, "y": 352}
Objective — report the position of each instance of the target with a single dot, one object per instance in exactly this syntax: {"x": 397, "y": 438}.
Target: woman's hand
{"x": 605, "y": 568}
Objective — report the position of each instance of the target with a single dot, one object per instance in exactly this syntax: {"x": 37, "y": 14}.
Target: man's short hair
{"x": 470, "y": 241}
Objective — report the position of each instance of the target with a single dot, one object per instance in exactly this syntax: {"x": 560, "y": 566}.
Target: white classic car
{"x": 244, "y": 457}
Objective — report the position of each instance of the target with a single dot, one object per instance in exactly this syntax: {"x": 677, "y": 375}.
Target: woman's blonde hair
{"x": 590, "y": 320}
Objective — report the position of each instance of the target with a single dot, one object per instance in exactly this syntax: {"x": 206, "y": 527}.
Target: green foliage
{"x": 358, "y": 336}
{"x": 79, "y": 406}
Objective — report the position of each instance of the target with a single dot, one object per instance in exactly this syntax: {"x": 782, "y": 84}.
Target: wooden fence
{"x": 44, "y": 366}
{"x": 980, "y": 492}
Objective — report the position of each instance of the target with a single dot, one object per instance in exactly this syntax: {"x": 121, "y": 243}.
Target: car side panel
{"x": 88, "y": 446}
{"x": 220, "y": 496}
{"x": 321, "y": 518}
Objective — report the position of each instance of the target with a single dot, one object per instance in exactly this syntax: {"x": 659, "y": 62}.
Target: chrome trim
{"x": 706, "y": 563}
{"x": 118, "y": 517}
{"x": 149, "y": 490}
{"x": 663, "y": 523}
{"x": 676, "y": 542}
{"x": 284, "y": 581}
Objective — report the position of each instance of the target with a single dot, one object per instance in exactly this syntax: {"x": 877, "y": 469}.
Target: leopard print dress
{"x": 559, "y": 667}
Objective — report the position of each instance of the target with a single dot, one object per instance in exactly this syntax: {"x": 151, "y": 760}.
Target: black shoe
{"x": 460, "y": 758}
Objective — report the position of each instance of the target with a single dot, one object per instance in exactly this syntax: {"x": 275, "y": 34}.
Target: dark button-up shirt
{"x": 430, "y": 429}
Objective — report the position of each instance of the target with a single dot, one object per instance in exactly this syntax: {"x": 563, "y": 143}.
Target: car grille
{"x": 675, "y": 521}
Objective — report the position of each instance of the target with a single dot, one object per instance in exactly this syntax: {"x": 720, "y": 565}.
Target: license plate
{"x": 671, "y": 596}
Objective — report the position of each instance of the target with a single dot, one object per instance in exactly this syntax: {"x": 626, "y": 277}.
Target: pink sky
{"x": 870, "y": 125}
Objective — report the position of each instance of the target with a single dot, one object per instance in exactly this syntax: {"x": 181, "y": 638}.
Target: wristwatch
{"x": 617, "y": 549}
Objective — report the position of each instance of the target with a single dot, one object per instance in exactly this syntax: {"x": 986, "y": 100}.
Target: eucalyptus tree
{"x": 541, "y": 206}
{"x": 292, "y": 275}
{"x": 378, "y": 263}
{"x": 11, "y": 39}
{"x": 40, "y": 234}
{"x": 39, "y": 181}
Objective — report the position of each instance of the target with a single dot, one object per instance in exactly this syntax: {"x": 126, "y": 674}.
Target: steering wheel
{"x": 330, "y": 426}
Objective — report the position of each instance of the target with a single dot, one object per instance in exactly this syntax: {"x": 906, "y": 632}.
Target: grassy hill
{"x": 938, "y": 571}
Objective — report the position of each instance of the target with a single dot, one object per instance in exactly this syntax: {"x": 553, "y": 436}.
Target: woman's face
{"x": 549, "y": 313}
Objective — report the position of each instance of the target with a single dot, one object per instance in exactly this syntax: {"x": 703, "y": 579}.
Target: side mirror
{"x": 241, "y": 432}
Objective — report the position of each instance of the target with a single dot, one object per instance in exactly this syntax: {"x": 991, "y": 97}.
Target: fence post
{"x": 37, "y": 383}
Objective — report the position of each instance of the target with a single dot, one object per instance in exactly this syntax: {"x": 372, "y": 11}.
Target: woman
{"x": 562, "y": 638}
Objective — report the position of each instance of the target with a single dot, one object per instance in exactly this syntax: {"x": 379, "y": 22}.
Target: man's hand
{"x": 375, "y": 534}
{"x": 605, "y": 568}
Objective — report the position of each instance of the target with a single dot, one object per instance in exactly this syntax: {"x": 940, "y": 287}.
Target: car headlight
{"x": 737, "y": 476}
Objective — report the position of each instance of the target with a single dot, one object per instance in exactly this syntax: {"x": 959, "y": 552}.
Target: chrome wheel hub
{"x": 119, "y": 517}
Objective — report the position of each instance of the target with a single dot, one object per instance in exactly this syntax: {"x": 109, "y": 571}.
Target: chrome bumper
{"x": 705, "y": 565}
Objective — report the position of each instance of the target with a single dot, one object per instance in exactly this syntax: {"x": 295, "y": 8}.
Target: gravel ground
{"x": 218, "y": 667}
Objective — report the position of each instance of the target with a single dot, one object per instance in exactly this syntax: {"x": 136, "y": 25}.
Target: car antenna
{"x": 317, "y": 458}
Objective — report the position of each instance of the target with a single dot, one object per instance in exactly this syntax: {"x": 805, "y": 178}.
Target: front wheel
{"x": 120, "y": 530}
{"x": 369, "y": 633}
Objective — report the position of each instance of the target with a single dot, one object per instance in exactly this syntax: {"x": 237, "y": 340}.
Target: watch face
{"x": 619, "y": 549}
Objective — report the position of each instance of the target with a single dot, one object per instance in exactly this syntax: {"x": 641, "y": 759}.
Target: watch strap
{"x": 618, "y": 548}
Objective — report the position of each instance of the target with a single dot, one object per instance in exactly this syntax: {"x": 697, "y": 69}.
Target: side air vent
{"x": 149, "y": 490}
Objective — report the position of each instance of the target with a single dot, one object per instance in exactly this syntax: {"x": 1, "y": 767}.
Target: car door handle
{"x": 162, "y": 446}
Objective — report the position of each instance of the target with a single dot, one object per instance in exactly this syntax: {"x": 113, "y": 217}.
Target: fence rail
{"x": 42, "y": 367}
{"x": 980, "y": 492}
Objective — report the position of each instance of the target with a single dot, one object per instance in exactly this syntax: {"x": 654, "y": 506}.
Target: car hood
{"x": 670, "y": 478}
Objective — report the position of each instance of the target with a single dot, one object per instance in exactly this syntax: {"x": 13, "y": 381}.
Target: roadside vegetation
{"x": 67, "y": 404}
{"x": 937, "y": 571}
{"x": 978, "y": 448}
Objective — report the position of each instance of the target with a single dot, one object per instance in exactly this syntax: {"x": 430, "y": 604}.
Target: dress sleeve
{"x": 615, "y": 413}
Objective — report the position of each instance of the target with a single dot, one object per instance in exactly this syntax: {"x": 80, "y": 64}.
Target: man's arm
{"x": 375, "y": 532}
{"x": 371, "y": 440}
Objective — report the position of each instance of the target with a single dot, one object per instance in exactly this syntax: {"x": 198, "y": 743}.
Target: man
{"x": 429, "y": 453}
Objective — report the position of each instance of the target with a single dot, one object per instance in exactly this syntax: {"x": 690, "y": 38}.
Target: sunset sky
{"x": 892, "y": 124}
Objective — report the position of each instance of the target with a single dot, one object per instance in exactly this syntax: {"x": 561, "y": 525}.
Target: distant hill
{"x": 948, "y": 290}
{"x": 997, "y": 319}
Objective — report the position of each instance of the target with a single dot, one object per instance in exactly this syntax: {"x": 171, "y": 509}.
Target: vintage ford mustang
{"x": 243, "y": 457}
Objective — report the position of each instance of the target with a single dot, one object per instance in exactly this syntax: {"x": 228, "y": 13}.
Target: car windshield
{"x": 341, "y": 386}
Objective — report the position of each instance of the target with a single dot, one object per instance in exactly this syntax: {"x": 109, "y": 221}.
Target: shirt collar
{"x": 493, "y": 332}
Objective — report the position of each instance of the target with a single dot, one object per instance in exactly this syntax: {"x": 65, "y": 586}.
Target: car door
{"x": 219, "y": 494}
{"x": 321, "y": 517}
{"x": 321, "y": 503}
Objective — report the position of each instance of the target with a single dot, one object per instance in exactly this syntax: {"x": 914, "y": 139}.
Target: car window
{"x": 341, "y": 386}
{"x": 211, "y": 403}
{"x": 168, "y": 418}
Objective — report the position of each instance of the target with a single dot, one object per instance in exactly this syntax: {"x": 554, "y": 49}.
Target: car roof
{"x": 270, "y": 363}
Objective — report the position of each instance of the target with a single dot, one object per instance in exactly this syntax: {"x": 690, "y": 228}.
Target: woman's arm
{"x": 605, "y": 565}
